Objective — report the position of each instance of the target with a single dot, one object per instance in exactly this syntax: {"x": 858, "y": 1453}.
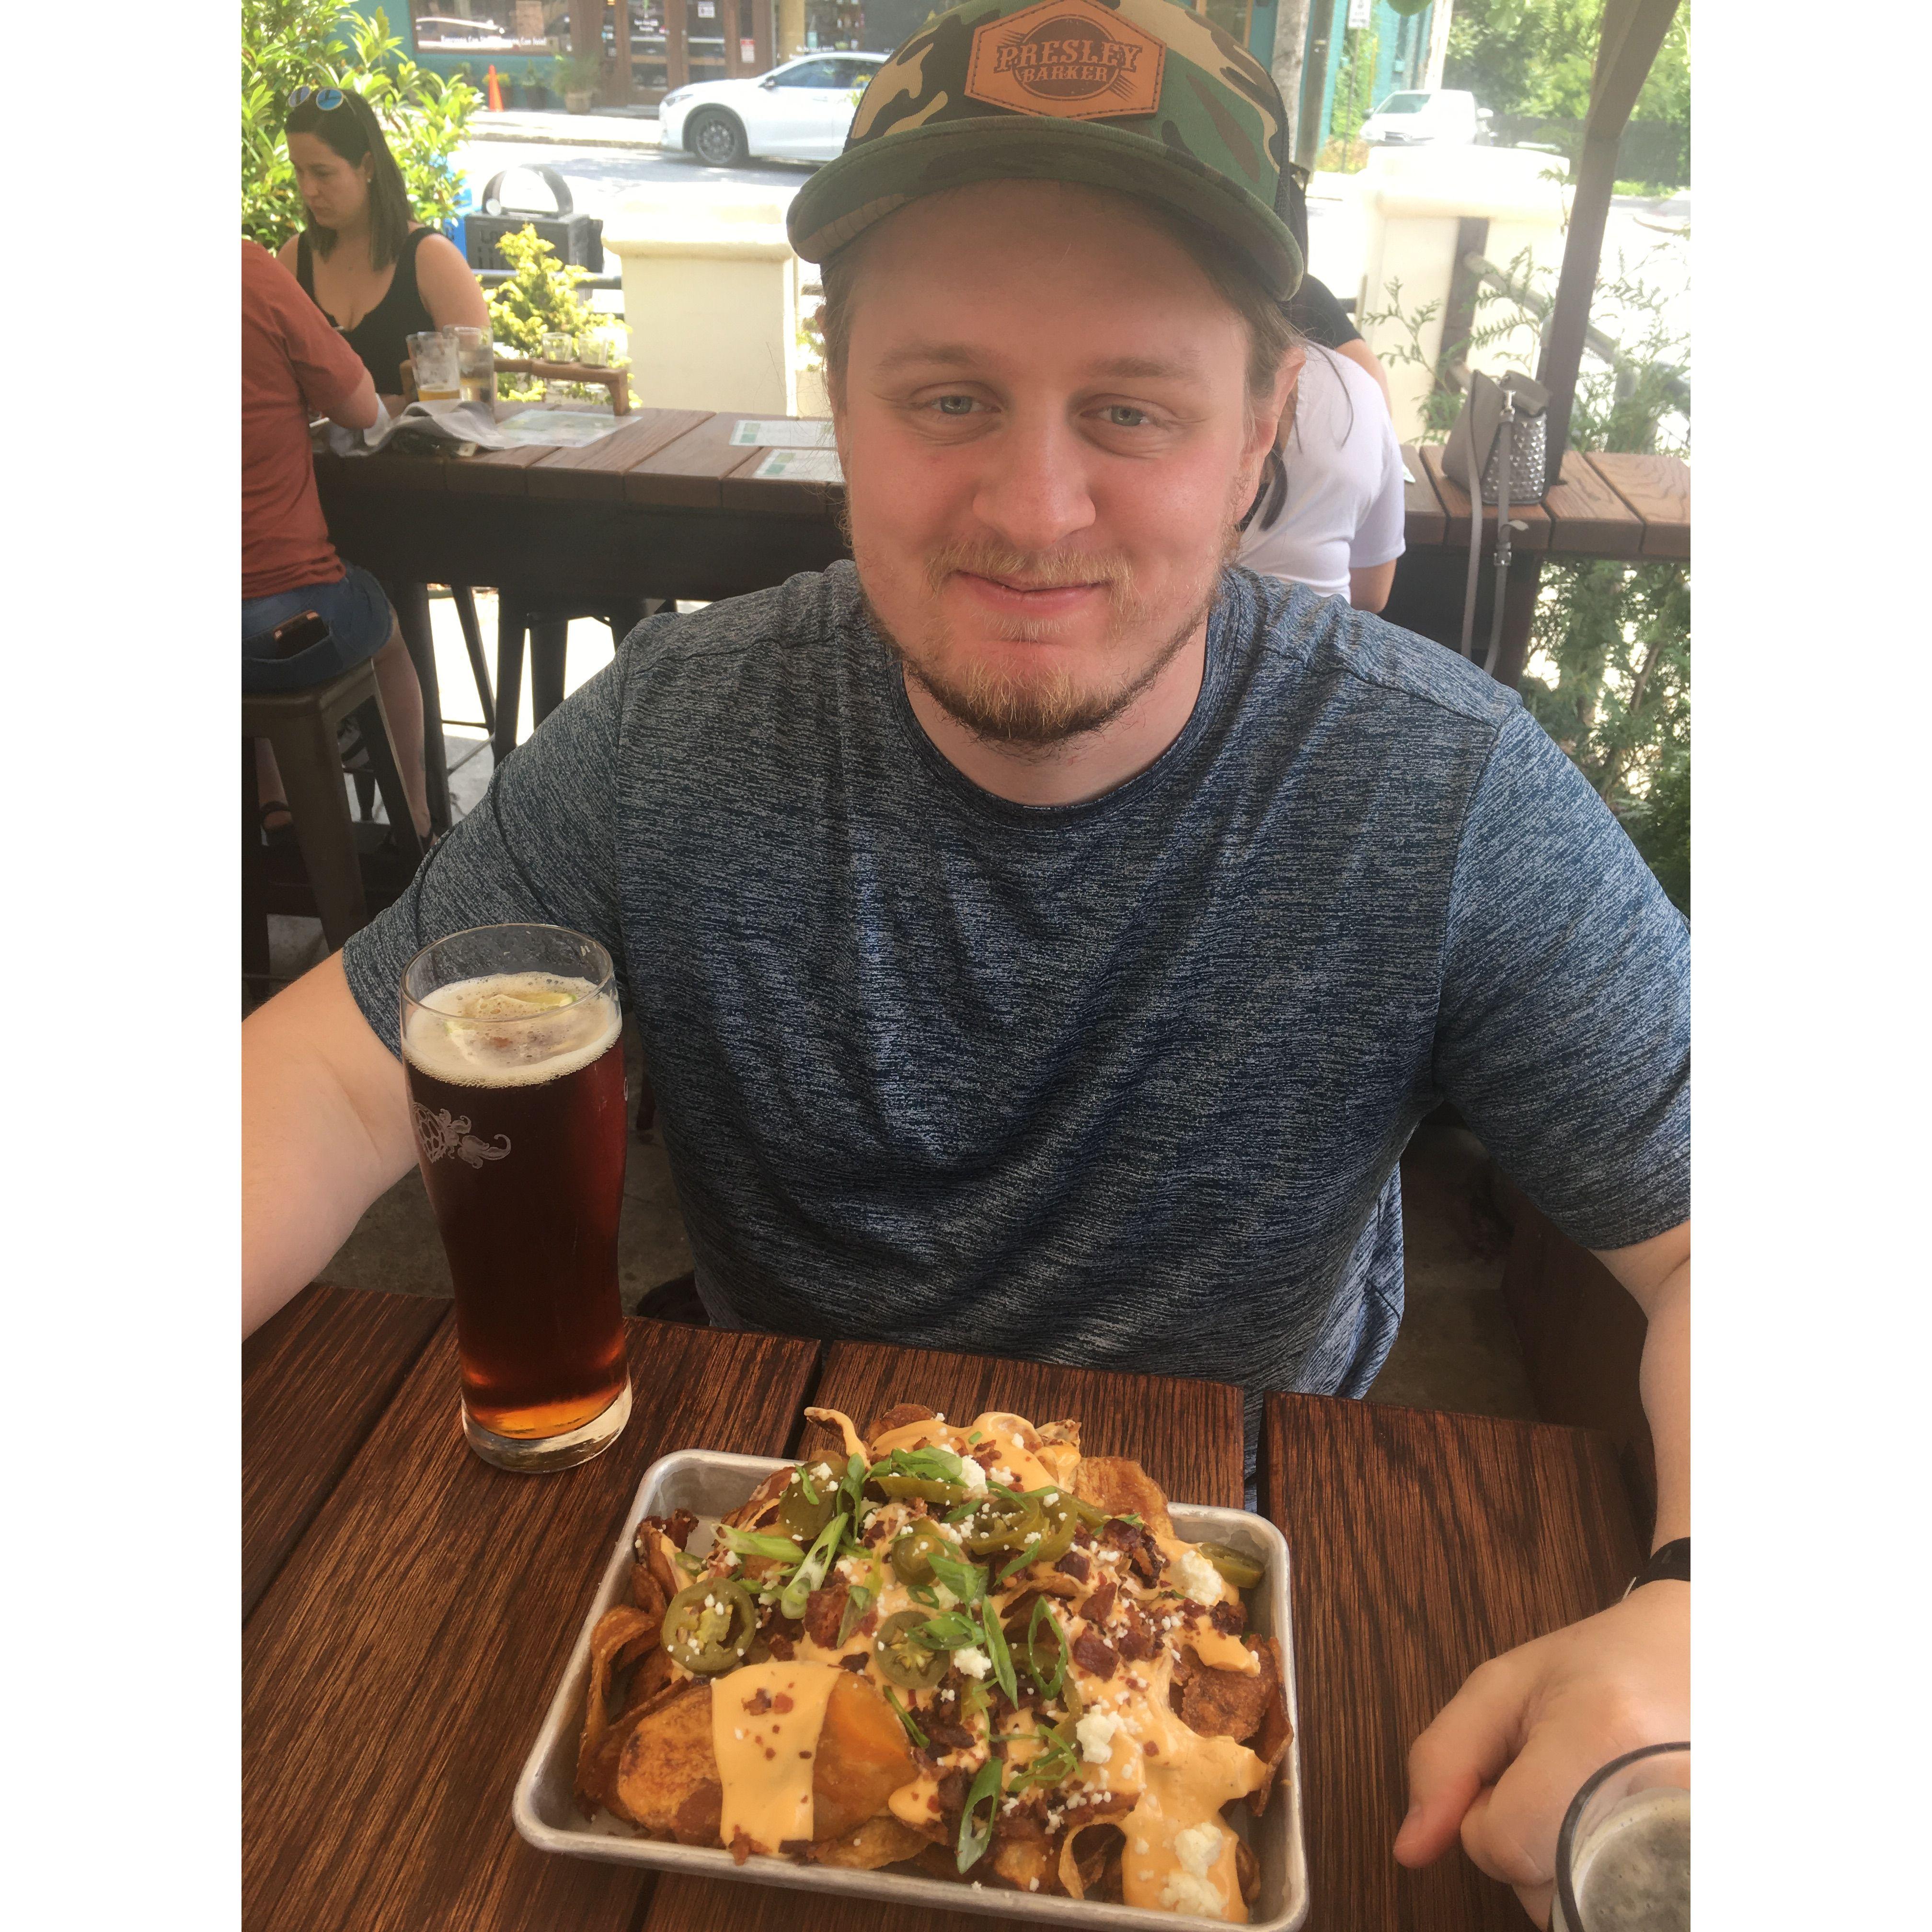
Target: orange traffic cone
{"x": 495, "y": 89}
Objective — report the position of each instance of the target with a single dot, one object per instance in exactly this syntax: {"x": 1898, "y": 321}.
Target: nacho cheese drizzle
{"x": 765, "y": 1723}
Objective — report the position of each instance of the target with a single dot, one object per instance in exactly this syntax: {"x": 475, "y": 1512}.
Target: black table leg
{"x": 512, "y": 620}
{"x": 550, "y": 639}
{"x": 410, "y": 601}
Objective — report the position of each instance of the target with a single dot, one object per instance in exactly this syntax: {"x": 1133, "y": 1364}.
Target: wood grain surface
{"x": 596, "y": 472}
{"x": 1657, "y": 488}
{"x": 1424, "y": 1544}
{"x": 1587, "y": 518}
{"x": 315, "y": 1377}
{"x": 397, "y": 1670}
{"x": 688, "y": 472}
{"x": 1186, "y": 1434}
{"x": 1423, "y": 523}
{"x": 1455, "y": 500}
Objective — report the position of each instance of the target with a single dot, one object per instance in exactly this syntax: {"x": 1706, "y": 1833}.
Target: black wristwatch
{"x": 1670, "y": 1564}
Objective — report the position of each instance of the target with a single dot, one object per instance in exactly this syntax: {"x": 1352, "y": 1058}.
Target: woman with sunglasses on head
{"x": 377, "y": 273}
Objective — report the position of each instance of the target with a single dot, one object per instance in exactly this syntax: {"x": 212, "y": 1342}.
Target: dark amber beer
{"x": 516, "y": 1086}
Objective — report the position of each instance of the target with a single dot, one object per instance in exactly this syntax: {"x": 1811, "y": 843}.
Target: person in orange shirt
{"x": 295, "y": 366}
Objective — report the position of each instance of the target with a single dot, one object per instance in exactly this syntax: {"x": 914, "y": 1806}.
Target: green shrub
{"x": 539, "y": 297}
{"x": 290, "y": 43}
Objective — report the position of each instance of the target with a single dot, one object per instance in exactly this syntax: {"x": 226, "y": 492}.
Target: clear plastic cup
{"x": 475, "y": 362}
{"x": 439, "y": 376}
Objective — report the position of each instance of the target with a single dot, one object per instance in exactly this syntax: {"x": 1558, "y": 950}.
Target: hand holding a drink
{"x": 1505, "y": 1757}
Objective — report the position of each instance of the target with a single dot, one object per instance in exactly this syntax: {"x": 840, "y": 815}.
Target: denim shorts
{"x": 359, "y": 622}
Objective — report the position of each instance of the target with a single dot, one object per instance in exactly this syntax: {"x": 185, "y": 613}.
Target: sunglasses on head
{"x": 328, "y": 99}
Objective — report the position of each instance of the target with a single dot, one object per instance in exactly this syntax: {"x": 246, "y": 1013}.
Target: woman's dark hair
{"x": 352, "y": 131}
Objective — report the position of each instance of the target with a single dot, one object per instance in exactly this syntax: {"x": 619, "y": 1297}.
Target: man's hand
{"x": 1508, "y": 1752}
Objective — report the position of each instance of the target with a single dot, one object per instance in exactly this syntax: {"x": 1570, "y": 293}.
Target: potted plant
{"x": 578, "y": 77}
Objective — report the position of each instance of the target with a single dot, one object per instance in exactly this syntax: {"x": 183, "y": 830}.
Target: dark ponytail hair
{"x": 351, "y": 130}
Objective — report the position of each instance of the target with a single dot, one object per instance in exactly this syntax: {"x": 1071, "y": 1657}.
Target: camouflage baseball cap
{"x": 1140, "y": 95}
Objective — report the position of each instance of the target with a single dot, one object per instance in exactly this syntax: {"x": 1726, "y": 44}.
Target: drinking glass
{"x": 475, "y": 362}
{"x": 559, "y": 347}
{"x": 1623, "y": 1857}
{"x": 594, "y": 351}
{"x": 515, "y": 1071}
{"x": 433, "y": 357}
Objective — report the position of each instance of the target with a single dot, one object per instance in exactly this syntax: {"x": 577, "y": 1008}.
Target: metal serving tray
{"x": 711, "y": 1486}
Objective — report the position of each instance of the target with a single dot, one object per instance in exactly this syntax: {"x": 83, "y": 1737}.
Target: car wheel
{"x": 716, "y": 138}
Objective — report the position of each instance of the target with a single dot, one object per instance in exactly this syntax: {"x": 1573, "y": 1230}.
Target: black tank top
{"x": 382, "y": 337}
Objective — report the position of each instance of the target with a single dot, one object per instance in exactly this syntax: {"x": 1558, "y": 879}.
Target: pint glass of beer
{"x": 516, "y": 1084}
{"x": 1623, "y": 1857}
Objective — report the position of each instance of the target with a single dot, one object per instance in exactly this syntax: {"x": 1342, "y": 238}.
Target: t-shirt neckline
{"x": 1166, "y": 769}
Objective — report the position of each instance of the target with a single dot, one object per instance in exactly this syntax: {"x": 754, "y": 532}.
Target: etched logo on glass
{"x": 442, "y": 1133}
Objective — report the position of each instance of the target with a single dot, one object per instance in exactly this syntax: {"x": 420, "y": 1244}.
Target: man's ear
{"x": 1268, "y": 420}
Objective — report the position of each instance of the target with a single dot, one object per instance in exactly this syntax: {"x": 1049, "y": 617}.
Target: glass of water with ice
{"x": 1623, "y": 1857}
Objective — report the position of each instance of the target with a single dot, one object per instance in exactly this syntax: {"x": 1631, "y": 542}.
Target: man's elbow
{"x": 363, "y": 410}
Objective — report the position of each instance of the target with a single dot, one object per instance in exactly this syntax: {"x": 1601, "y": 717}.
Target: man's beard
{"x": 1035, "y": 713}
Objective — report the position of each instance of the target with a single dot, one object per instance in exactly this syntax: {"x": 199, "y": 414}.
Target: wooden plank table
{"x": 1602, "y": 504}
{"x": 1424, "y": 1543}
{"x": 397, "y": 1662}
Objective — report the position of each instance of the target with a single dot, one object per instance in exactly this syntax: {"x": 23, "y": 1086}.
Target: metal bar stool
{"x": 301, "y": 728}
{"x": 547, "y": 626}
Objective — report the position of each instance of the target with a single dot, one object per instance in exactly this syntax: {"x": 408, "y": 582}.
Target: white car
{"x": 1447, "y": 114}
{"x": 801, "y": 112}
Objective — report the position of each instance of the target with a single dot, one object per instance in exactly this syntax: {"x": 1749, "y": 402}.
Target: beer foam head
{"x": 509, "y": 1030}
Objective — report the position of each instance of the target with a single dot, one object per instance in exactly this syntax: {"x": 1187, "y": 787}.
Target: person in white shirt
{"x": 1334, "y": 519}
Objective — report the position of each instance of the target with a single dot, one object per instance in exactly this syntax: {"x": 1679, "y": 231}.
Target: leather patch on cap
{"x": 1070, "y": 58}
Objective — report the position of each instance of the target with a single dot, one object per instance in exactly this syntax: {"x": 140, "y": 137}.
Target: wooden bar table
{"x": 408, "y": 1610}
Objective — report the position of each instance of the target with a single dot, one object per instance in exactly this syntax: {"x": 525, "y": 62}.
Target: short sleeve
{"x": 328, "y": 371}
{"x": 539, "y": 847}
{"x": 1563, "y": 1031}
{"x": 1379, "y": 538}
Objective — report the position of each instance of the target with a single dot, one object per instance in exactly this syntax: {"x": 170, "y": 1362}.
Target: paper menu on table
{"x": 802, "y": 466}
{"x": 778, "y": 432}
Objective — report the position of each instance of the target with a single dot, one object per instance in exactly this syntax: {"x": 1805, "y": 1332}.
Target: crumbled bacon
{"x": 1230, "y": 1618}
{"x": 1074, "y": 1564}
{"x": 824, "y": 1611}
{"x": 1100, "y": 1604}
{"x": 1093, "y": 1652}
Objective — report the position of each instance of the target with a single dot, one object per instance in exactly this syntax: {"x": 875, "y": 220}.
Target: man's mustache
{"x": 1036, "y": 570}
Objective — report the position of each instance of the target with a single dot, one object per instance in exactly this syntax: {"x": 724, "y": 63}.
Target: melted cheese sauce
{"x": 1007, "y": 1435}
{"x": 766, "y": 1758}
{"x": 1220, "y": 1652}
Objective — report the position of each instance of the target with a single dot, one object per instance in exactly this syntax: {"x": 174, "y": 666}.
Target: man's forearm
{"x": 324, "y": 1130}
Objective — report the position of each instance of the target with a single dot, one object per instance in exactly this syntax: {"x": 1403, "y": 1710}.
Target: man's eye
{"x": 953, "y": 406}
{"x": 1124, "y": 415}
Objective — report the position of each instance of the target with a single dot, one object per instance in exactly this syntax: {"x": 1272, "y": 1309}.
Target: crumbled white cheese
{"x": 1184, "y": 1892}
{"x": 823, "y": 1471}
{"x": 946, "y": 1599}
{"x": 1198, "y": 1847}
{"x": 973, "y": 1476}
{"x": 1001, "y": 1473}
{"x": 974, "y": 1663}
{"x": 1198, "y": 1577}
{"x": 1096, "y": 1733}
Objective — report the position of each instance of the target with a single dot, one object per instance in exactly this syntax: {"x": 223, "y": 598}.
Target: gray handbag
{"x": 1496, "y": 451}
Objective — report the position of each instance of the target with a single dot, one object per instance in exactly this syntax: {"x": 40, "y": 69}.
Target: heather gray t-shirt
{"x": 1116, "y": 1084}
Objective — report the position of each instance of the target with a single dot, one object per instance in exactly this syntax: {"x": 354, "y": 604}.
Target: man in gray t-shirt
{"x": 1044, "y": 935}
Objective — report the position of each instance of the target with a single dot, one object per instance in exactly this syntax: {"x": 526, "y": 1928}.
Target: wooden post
{"x": 677, "y": 43}
{"x": 762, "y": 32}
{"x": 727, "y": 27}
{"x": 1310, "y": 129}
{"x": 1633, "y": 32}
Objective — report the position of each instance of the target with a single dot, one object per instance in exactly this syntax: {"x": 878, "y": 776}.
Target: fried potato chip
{"x": 619, "y": 1626}
{"x": 1271, "y": 1744}
{"x": 761, "y": 1499}
{"x": 882, "y": 1840}
{"x": 597, "y": 1775}
{"x": 1247, "y": 1871}
{"x": 1121, "y": 1486}
{"x": 1217, "y": 1703}
{"x": 1083, "y": 1855}
{"x": 1026, "y": 1863}
{"x": 898, "y": 1417}
{"x": 667, "y": 1776}
{"x": 862, "y": 1759}
{"x": 651, "y": 1676}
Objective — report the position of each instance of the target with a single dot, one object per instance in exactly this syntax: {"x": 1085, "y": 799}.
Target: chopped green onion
{"x": 967, "y": 1581}
{"x": 1049, "y": 1686}
{"x": 974, "y": 1699}
{"x": 857, "y": 1603}
{"x": 810, "y": 1573}
{"x": 978, "y": 1435}
{"x": 745, "y": 1542}
{"x": 996, "y": 1649}
{"x": 851, "y": 1483}
{"x": 922, "y": 1594}
{"x": 974, "y": 1837}
{"x": 913, "y": 1731}
{"x": 804, "y": 1483}
{"x": 953, "y": 1631}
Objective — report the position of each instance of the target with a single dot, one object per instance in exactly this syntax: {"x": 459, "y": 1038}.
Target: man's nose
{"x": 1034, "y": 490}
